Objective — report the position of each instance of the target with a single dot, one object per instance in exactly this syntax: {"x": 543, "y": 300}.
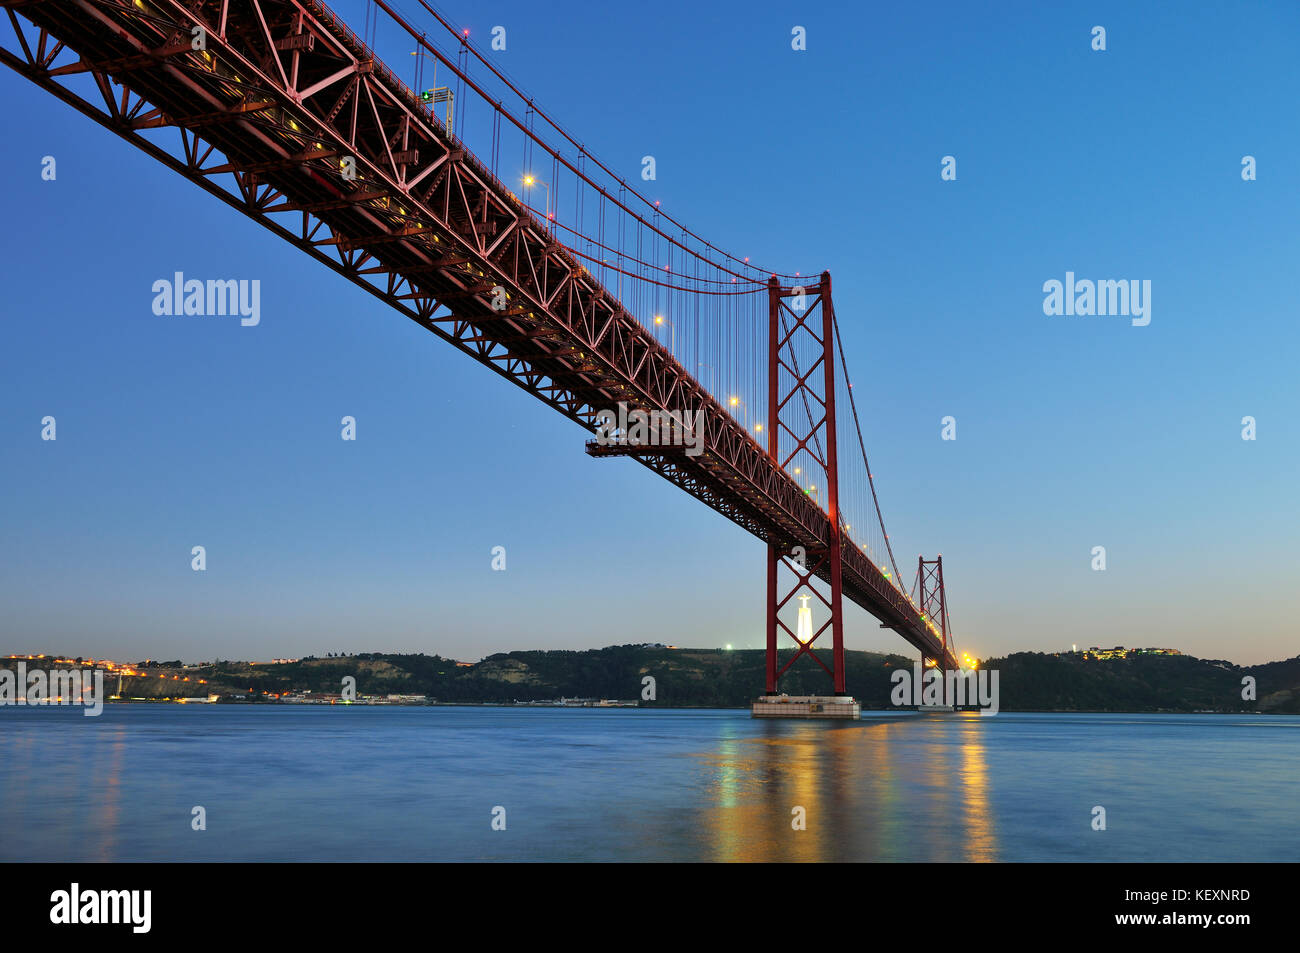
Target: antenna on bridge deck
{"x": 436, "y": 94}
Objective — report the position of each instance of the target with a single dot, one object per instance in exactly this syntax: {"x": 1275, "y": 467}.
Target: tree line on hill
{"x": 1027, "y": 681}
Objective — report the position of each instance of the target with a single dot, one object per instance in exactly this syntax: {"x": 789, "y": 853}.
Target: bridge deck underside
{"x": 423, "y": 226}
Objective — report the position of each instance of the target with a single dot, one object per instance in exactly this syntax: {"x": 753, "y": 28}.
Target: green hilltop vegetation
{"x": 1033, "y": 681}
{"x": 1028, "y": 681}
{"x": 683, "y": 677}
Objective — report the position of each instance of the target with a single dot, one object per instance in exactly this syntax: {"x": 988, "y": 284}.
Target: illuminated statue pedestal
{"x": 806, "y": 706}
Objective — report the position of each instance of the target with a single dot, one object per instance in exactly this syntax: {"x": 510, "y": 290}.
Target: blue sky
{"x": 1073, "y": 432}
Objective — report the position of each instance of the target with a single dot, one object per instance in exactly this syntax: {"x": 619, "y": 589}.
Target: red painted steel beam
{"x": 441, "y": 230}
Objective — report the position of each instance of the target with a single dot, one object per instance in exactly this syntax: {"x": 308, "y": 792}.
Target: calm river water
{"x": 290, "y": 783}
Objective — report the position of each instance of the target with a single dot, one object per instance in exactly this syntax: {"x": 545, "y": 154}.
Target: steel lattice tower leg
{"x": 794, "y": 411}
{"x": 934, "y": 608}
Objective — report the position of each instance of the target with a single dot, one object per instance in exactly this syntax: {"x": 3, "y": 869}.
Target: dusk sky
{"x": 1072, "y": 432}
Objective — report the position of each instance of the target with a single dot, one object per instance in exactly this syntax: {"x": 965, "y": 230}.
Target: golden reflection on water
{"x": 60, "y": 786}
{"x": 109, "y": 785}
{"x": 973, "y": 781}
{"x": 936, "y": 757}
{"x": 891, "y": 790}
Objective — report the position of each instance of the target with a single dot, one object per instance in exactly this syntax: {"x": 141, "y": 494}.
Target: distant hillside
{"x": 1032, "y": 681}
{"x": 1028, "y": 681}
{"x": 683, "y": 677}
{"x": 1278, "y": 684}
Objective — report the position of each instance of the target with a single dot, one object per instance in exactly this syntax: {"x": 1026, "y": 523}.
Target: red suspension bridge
{"x": 590, "y": 297}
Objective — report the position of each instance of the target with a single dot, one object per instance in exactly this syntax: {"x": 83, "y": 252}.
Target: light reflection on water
{"x": 283, "y": 783}
{"x": 858, "y": 790}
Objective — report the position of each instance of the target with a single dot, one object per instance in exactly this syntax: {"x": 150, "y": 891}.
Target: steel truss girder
{"x": 279, "y": 119}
